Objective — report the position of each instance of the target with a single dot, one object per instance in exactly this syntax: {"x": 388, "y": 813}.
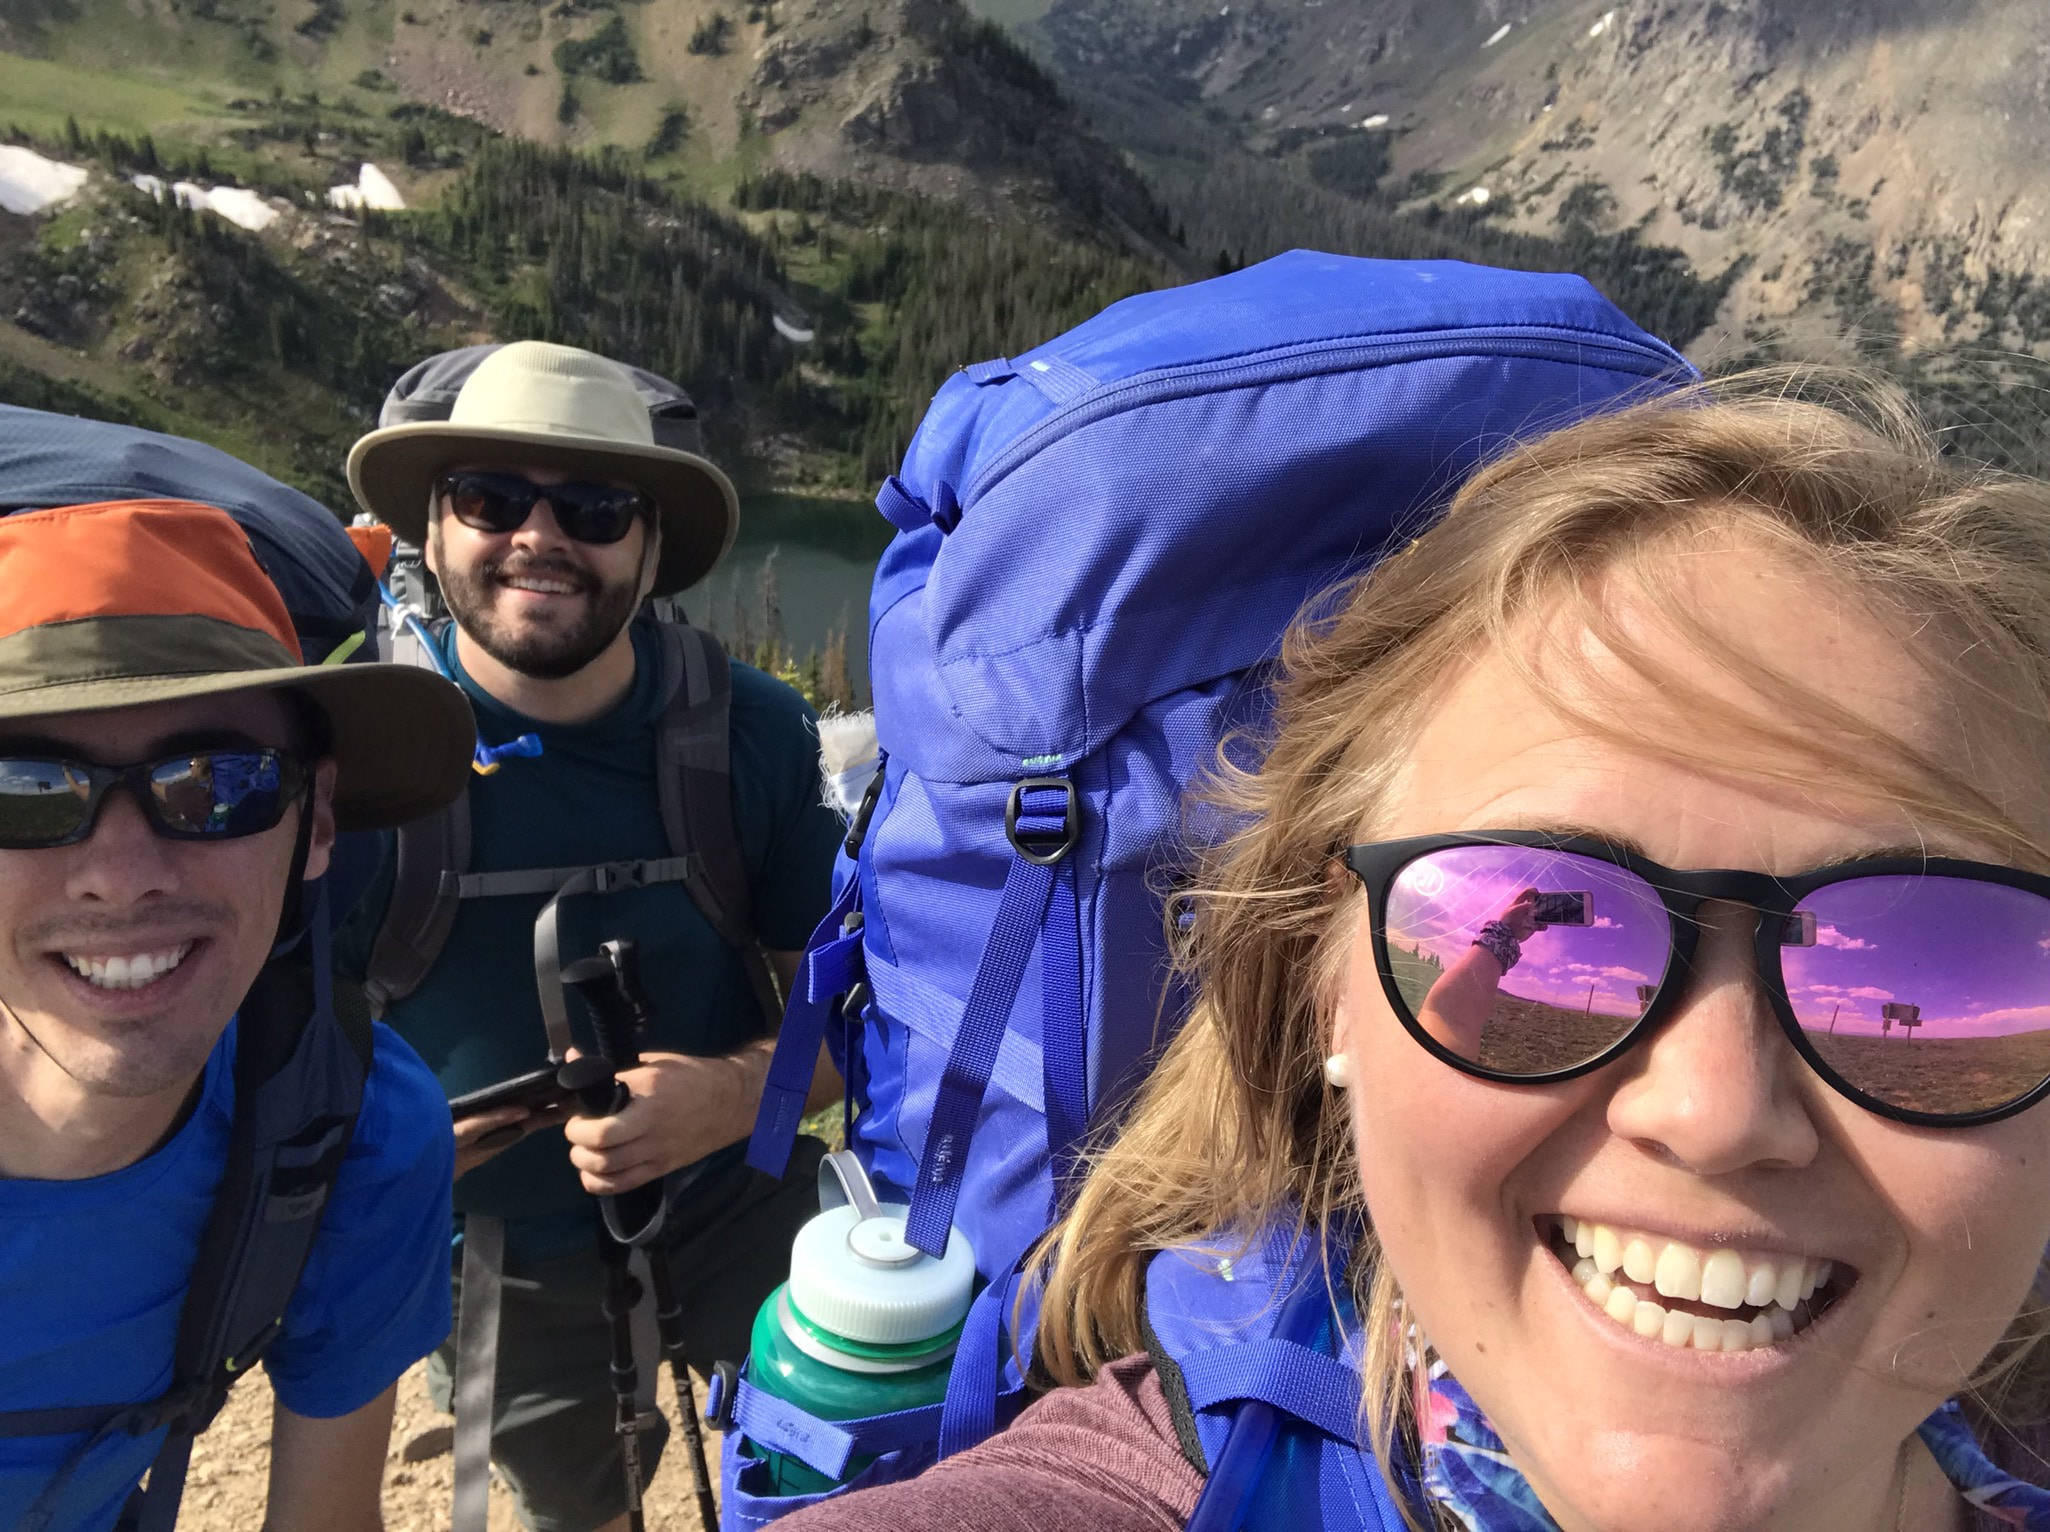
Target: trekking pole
{"x": 622, "y": 1293}
{"x": 610, "y": 986}
{"x": 669, "y": 1322}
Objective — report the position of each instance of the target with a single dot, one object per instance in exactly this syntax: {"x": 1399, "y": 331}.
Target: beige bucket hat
{"x": 548, "y": 406}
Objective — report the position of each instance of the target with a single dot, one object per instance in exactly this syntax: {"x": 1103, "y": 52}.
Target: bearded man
{"x": 548, "y": 514}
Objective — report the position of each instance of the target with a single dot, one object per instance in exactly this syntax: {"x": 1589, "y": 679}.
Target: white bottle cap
{"x": 860, "y": 1279}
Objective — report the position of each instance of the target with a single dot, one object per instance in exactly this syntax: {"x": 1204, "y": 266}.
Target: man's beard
{"x": 544, "y": 655}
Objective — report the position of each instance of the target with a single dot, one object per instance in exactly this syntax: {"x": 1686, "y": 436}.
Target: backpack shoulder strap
{"x": 302, "y": 1055}
{"x": 1247, "y": 1350}
{"x": 424, "y": 900}
{"x": 694, "y": 773}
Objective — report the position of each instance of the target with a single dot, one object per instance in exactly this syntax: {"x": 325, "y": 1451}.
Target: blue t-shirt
{"x": 591, "y": 796}
{"x": 93, "y": 1276}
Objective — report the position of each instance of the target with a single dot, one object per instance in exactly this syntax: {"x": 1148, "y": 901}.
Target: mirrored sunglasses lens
{"x": 41, "y": 802}
{"x": 220, "y": 794}
{"x": 1930, "y": 994}
{"x": 1589, "y": 943}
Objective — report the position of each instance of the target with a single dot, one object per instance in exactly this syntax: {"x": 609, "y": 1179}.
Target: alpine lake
{"x": 797, "y": 576}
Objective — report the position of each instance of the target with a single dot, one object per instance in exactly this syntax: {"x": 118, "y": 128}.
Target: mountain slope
{"x": 1874, "y": 164}
{"x": 807, "y": 211}
{"x": 914, "y": 95}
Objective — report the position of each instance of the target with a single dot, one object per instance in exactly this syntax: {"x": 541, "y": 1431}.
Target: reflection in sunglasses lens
{"x": 1585, "y": 944}
{"x": 1927, "y": 993}
{"x": 39, "y": 801}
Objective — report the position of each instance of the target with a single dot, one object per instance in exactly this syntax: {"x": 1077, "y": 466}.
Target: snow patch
{"x": 1378, "y": 120}
{"x": 29, "y": 183}
{"x": 1500, "y": 32}
{"x": 1476, "y": 196}
{"x": 243, "y": 208}
{"x": 1608, "y": 20}
{"x": 791, "y": 332}
{"x": 373, "y": 189}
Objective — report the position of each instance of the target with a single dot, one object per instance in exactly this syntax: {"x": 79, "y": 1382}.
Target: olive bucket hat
{"x": 124, "y": 603}
{"x": 536, "y": 404}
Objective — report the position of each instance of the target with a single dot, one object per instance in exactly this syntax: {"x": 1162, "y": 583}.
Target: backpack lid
{"x": 427, "y": 391}
{"x": 1141, "y": 505}
{"x": 49, "y": 460}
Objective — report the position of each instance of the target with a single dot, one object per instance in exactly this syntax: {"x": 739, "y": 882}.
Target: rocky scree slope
{"x": 1875, "y": 166}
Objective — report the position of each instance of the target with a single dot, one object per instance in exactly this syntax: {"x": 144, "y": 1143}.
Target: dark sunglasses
{"x": 502, "y": 502}
{"x": 1918, "y": 987}
{"x": 200, "y": 795}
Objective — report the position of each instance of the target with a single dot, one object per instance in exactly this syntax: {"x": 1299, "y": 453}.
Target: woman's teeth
{"x": 1611, "y": 1265}
{"x": 133, "y": 972}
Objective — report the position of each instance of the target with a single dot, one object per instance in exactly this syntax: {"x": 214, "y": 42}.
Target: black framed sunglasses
{"x": 501, "y": 502}
{"x": 1918, "y": 987}
{"x": 198, "y": 795}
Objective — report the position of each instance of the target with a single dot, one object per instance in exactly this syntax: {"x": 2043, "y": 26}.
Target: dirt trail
{"x": 229, "y": 1465}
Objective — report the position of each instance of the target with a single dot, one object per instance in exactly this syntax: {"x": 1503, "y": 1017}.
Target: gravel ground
{"x": 229, "y": 1465}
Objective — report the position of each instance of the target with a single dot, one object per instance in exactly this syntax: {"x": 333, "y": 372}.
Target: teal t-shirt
{"x": 590, "y": 797}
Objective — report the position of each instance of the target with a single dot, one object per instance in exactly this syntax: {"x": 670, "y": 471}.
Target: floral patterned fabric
{"x": 1467, "y": 1469}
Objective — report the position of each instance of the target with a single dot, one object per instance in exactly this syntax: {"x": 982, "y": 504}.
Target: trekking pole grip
{"x": 610, "y": 987}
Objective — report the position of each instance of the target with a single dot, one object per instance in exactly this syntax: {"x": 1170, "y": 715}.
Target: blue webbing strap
{"x": 1284, "y": 1374}
{"x": 1040, "y": 811}
{"x": 1063, "y": 1036}
{"x": 976, "y": 1391}
{"x": 826, "y": 1446}
{"x": 831, "y": 965}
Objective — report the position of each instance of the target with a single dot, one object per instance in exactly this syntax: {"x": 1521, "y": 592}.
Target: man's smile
{"x": 136, "y": 970}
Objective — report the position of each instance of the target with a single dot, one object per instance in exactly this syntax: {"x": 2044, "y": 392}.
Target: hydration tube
{"x": 1233, "y": 1487}
{"x": 484, "y": 759}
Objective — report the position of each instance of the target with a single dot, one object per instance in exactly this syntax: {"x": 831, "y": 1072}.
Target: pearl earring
{"x": 1338, "y": 1071}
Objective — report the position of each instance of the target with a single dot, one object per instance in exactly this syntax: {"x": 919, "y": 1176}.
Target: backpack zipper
{"x": 1307, "y": 359}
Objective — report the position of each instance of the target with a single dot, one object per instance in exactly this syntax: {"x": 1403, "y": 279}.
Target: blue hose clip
{"x": 484, "y": 759}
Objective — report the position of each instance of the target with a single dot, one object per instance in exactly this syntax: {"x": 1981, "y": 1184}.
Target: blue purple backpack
{"x": 1100, "y": 544}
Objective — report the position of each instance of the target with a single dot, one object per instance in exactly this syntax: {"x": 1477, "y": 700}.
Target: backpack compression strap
{"x": 302, "y": 1055}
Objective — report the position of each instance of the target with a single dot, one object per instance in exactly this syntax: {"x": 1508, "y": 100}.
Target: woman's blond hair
{"x": 1236, "y": 1127}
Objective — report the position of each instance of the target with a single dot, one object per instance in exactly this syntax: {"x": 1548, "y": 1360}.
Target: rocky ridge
{"x": 1875, "y": 165}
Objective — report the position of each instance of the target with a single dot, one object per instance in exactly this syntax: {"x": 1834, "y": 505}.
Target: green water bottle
{"x": 867, "y": 1323}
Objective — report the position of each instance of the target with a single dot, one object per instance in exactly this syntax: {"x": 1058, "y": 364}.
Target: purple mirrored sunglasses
{"x": 1918, "y": 987}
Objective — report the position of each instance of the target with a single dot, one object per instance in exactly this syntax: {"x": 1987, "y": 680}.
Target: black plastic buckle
{"x": 1071, "y": 822}
{"x": 186, "y": 1410}
{"x": 857, "y": 828}
{"x": 853, "y": 1001}
{"x": 721, "y": 1390}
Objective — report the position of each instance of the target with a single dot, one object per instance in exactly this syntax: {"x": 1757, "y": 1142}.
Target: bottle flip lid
{"x": 854, "y": 1275}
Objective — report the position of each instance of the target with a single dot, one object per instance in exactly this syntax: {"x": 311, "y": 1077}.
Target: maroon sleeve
{"x": 1099, "y": 1459}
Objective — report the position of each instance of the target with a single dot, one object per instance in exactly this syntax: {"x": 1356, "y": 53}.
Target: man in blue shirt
{"x": 548, "y": 513}
{"x": 171, "y": 781}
